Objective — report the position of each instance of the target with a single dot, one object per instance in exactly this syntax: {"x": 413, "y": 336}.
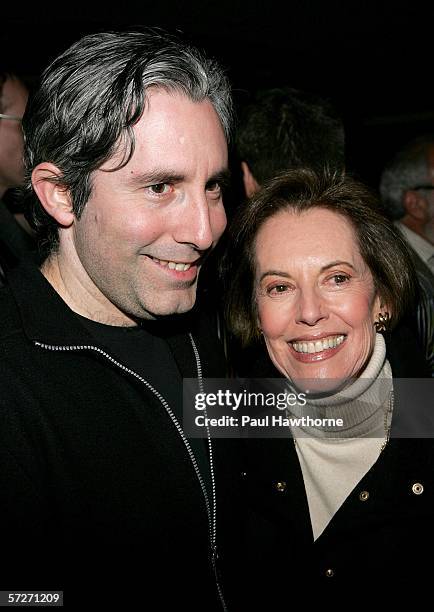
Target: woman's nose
{"x": 311, "y": 307}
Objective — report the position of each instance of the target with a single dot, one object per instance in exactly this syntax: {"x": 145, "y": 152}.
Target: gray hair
{"x": 91, "y": 97}
{"x": 407, "y": 170}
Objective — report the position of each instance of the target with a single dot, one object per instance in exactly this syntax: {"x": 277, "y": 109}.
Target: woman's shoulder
{"x": 405, "y": 354}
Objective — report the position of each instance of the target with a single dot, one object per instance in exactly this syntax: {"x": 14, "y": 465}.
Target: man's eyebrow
{"x": 160, "y": 175}
{"x": 323, "y": 269}
{"x": 154, "y": 177}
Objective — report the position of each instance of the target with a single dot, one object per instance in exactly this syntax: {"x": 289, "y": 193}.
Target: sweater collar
{"x": 46, "y": 318}
{"x": 361, "y": 405}
{"x": 44, "y": 315}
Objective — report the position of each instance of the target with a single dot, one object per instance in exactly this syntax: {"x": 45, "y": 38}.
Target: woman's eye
{"x": 340, "y": 279}
{"x": 277, "y": 289}
{"x": 160, "y": 188}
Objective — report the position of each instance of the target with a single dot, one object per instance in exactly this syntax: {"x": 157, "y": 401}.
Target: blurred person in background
{"x": 284, "y": 128}
{"x": 15, "y": 242}
{"x": 407, "y": 191}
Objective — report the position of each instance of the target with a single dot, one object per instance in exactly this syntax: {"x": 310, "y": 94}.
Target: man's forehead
{"x": 169, "y": 112}
{"x": 173, "y": 136}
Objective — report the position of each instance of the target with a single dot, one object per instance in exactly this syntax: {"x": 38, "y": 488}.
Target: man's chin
{"x": 170, "y": 307}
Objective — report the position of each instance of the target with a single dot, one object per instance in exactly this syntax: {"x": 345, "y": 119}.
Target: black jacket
{"x": 100, "y": 495}
{"x": 381, "y": 539}
{"x": 15, "y": 244}
{"x": 382, "y": 535}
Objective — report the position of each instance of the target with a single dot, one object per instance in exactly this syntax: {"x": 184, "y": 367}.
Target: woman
{"x": 317, "y": 271}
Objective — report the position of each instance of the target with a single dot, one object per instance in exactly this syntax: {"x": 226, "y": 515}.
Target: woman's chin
{"x": 320, "y": 386}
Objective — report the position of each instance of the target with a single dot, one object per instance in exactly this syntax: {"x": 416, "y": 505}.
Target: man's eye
{"x": 160, "y": 188}
{"x": 214, "y": 187}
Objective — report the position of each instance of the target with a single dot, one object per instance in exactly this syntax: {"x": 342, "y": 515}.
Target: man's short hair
{"x": 286, "y": 128}
{"x": 90, "y": 98}
{"x": 407, "y": 170}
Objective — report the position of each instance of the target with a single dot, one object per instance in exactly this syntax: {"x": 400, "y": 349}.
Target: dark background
{"x": 374, "y": 60}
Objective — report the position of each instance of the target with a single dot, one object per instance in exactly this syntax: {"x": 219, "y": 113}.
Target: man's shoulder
{"x": 10, "y": 320}
{"x": 405, "y": 353}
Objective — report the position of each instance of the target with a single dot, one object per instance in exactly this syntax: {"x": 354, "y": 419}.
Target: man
{"x": 15, "y": 243}
{"x": 126, "y": 156}
{"x": 286, "y": 128}
{"x": 407, "y": 190}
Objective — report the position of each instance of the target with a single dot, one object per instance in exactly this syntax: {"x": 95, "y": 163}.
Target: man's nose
{"x": 197, "y": 224}
{"x": 311, "y": 307}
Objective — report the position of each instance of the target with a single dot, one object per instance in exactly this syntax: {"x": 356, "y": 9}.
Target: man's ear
{"x": 251, "y": 186}
{"x": 53, "y": 196}
{"x": 414, "y": 205}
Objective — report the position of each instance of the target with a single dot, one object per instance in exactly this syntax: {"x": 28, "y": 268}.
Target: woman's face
{"x": 315, "y": 297}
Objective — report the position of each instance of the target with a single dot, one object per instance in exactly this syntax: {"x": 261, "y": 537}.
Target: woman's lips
{"x": 318, "y": 349}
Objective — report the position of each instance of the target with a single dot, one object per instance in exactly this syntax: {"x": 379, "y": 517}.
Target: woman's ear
{"x": 52, "y": 194}
{"x": 381, "y": 314}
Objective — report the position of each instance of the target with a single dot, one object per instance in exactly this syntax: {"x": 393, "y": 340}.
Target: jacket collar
{"x": 44, "y": 315}
{"x": 47, "y": 319}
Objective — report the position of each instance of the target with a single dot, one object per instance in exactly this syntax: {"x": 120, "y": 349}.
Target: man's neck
{"x": 82, "y": 297}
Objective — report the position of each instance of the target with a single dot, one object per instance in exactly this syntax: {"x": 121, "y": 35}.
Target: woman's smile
{"x": 315, "y": 296}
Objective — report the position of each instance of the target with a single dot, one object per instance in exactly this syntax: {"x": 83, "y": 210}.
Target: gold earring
{"x": 383, "y": 322}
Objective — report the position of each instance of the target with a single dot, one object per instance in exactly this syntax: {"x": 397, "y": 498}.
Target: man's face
{"x": 146, "y": 228}
{"x": 13, "y": 102}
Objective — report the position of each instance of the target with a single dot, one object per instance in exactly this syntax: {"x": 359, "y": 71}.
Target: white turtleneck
{"x": 334, "y": 460}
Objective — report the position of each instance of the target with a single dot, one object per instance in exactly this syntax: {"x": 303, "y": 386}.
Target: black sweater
{"x": 98, "y": 490}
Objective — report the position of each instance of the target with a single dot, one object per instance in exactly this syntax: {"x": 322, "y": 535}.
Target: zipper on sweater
{"x": 213, "y": 485}
{"x": 211, "y": 512}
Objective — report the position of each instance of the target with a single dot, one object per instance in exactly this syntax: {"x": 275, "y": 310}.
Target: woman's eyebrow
{"x": 326, "y": 267}
{"x": 337, "y": 263}
{"x": 274, "y": 273}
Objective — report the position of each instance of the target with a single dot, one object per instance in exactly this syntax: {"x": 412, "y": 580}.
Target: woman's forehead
{"x": 310, "y": 229}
